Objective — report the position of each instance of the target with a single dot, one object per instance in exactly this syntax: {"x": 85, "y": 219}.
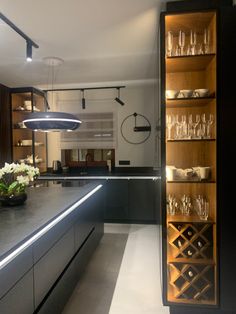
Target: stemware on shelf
{"x": 193, "y": 42}
{"x": 190, "y": 45}
{"x": 202, "y": 207}
{"x": 206, "y": 40}
{"x": 170, "y": 122}
{"x": 169, "y": 44}
{"x": 181, "y": 42}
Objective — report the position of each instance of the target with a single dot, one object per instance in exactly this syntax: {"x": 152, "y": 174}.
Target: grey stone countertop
{"x": 43, "y": 204}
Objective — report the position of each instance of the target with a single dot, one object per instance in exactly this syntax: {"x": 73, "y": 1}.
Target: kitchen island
{"x": 131, "y": 197}
{"x": 46, "y": 243}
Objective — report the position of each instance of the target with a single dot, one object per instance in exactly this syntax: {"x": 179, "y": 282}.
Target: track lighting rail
{"x": 16, "y": 29}
{"x": 82, "y": 89}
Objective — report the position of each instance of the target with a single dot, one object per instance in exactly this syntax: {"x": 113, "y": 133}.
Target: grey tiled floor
{"x": 123, "y": 276}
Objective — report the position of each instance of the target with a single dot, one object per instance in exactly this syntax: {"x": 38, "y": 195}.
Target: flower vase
{"x": 13, "y": 200}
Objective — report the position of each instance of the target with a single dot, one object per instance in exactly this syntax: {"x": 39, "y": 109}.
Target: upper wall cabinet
{"x": 28, "y": 146}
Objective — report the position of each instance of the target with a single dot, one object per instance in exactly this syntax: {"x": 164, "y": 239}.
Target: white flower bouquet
{"x": 15, "y": 177}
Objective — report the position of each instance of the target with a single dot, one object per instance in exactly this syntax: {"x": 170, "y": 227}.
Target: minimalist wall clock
{"x": 135, "y": 128}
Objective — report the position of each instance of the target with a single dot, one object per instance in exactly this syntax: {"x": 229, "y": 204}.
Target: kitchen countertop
{"x": 44, "y": 204}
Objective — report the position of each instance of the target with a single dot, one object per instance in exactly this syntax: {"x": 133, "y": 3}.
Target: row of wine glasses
{"x": 192, "y": 46}
{"x": 189, "y": 126}
{"x": 187, "y": 206}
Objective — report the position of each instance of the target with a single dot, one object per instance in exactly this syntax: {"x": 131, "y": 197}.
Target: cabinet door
{"x": 51, "y": 265}
{"x": 141, "y": 200}
{"x": 117, "y": 200}
{"x": 15, "y": 270}
{"x": 20, "y": 298}
{"x": 43, "y": 245}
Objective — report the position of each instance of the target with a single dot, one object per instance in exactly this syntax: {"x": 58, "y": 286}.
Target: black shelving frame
{"x": 226, "y": 132}
{"x": 33, "y": 91}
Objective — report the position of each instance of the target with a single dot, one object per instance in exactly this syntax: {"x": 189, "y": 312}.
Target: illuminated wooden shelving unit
{"x": 37, "y": 147}
{"x": 191, "y": 243}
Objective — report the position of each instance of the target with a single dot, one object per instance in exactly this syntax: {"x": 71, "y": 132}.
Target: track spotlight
{"x": 83, "y": 100}
{"x": 28, "y": 51}
{"x": 117, "y": 99}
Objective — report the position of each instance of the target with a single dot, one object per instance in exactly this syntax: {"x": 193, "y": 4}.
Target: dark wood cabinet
{"x": 5, "y": 125}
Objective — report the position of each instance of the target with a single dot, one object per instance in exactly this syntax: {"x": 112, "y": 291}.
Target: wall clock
{"x": 135, "y": 128}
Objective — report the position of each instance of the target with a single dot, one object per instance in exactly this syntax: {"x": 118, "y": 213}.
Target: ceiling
{"x": 100, "y": 41}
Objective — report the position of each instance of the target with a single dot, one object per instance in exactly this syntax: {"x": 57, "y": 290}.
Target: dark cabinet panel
{"x": 15, "y": 270}
{"x": 5, "y": 125}
{"x": 51, "y": 237}
{"x": 85, "y": 223}
{"x": 117, "y": 200}
{"x": 51, "y": 265}
{"x": 61, "y": 293}
{"x": 133, "y": 200}
{"x": 20, "y": 298}
{"x": 141, "y": 200}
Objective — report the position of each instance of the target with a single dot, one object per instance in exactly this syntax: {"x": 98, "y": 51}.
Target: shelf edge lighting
{"x": 52, "y": 121}
{"x": 40, "y": 233}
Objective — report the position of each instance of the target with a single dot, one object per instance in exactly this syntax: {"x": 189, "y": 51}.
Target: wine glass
{"x": 178, "y": 128}
{"x": 193, "y": 42}
{"x": 169, "y": 41}
{"x": 208, "y": 125}
{"x": 170, "y": 122}
{"x": 206, "y": 40}
{"x": 181, "y": 42}
{"x": 184, "y": 126}
{"x": 195, "y": 124}
{"x": 203, "y": 126}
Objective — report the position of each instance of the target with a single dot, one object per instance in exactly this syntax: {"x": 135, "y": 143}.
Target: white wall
{"x": 141, "y": 99}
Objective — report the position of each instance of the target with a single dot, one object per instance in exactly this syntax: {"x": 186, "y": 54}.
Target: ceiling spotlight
{"x": 83, "y": 100}
{"x": 117, "y": 99}
{"x": 28, "y": 51}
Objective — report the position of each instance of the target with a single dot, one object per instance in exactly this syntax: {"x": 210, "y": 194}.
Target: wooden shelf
{"x": 188, "y": 219}
{"x": 188, "y": 63}
{"x": 172, "y": 299}
{"x": 188, "y": 102}
{"x": 197, "y": 181}
{"x": 191, "y": 261}
{"x": 192, "y": 140}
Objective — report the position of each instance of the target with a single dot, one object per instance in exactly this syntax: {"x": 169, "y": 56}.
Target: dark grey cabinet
{"x": 132, "y": 201}
{"x": 117, "y": 200}
{"x": 20, "y": 298}
{"x": 141, "y": 200}
{"x": 51, "y": 265}
{"x": 42, "y": 277}
{"x": 15, "y": 270}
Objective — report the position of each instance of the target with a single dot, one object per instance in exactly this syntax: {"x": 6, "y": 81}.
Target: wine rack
{"x": 190, "y": 241}
{"x": 193, "y": 282}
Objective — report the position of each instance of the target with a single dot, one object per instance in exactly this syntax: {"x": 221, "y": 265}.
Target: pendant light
{"x": 51, "y": 121}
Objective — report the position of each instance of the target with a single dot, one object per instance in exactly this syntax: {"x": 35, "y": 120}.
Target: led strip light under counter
{"x": 45, "y": 229}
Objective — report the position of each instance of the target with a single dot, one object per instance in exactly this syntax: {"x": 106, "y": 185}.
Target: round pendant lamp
{"x": 52, "y": 121}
